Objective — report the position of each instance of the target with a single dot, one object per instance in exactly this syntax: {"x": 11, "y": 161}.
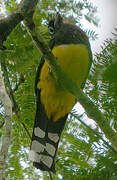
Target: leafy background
{"x": 82, "y": 154}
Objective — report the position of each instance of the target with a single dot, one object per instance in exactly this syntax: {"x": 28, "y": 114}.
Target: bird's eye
{"x": 51, "y": 30}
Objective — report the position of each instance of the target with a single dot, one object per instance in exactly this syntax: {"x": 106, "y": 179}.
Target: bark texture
{"x": 6, "y": 102}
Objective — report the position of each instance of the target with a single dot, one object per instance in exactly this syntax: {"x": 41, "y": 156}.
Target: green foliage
{"x": 81, "y": 155}
{"x": 92, "y": 34}
{"x": 104, "y": 79}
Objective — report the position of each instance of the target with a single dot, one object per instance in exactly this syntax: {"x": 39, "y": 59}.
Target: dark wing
{"x": 37, "y": 78}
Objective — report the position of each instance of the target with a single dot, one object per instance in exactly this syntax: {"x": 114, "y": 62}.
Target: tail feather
{"x": 45, "y": 139}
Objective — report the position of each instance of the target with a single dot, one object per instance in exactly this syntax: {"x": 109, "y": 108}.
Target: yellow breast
{"x": 74, "y": 60}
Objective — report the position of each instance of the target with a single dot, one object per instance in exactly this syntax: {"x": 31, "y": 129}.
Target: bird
{"x": 71, "y": 48}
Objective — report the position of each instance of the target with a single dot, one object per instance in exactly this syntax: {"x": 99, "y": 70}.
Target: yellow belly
{"x": 74, "y": 60}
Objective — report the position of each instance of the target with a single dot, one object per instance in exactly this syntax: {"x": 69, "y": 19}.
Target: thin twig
{"x": 26, "y": 130}
{"x": 21, "y": 80}
{"x": 2, "y": 124}
{"x": 50, "y": 175}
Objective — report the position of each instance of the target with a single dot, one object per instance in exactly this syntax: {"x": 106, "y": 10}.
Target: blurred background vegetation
{"x": 82, "y": 153}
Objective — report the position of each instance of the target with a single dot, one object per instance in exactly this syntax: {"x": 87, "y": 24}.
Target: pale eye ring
{"x": 51, "y": 30}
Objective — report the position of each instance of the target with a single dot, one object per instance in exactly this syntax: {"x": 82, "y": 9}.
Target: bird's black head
{"x": 54, "y": 24}
{"x": 63, "y": 32}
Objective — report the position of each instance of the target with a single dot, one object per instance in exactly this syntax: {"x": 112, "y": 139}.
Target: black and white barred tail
{"x": 45, "y": 139}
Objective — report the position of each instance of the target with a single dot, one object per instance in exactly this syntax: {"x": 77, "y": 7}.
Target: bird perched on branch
{"x": 71, "y": 47}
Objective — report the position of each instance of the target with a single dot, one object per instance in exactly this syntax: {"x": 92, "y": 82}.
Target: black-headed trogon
{"x": 71, "y": 47}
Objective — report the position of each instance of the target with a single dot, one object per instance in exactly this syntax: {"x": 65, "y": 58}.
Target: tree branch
{"x": 10, "y": 91}
{"x": 6, "y": 102}
{"x": 8, "y": 126}
{"x": 68, "y": 84}
{"x": 24, "y": 9}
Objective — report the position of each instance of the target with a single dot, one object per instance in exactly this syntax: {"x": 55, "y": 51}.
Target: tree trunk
{"x": 6, "y": 102}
